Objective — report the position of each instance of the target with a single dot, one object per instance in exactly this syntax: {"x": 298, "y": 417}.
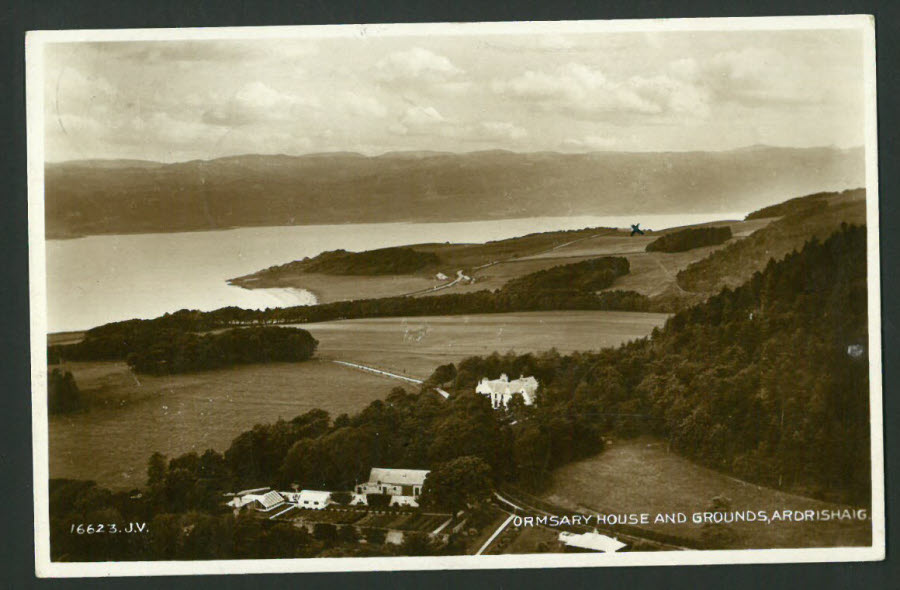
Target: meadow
{"x": 132, "y": 416}
{"x": 634, "y": 476}
{"x": 415, "y": 346}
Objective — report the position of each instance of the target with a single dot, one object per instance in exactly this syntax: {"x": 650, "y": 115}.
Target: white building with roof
{"x": 502, "y": 390}
{"x": 313, "y": 499}
{"x": 591, "y": 541}
{"x": 394, "y": 482}
{"x": 258, "y": 501}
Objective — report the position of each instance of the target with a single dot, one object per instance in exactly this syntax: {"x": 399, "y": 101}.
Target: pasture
{"x": 639, "y": 475}
{"x": 132, "y": 416}
{"x": 415, "y": 346}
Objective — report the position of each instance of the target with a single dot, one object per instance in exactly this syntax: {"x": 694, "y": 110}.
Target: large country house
{"x": 502, "y": 390}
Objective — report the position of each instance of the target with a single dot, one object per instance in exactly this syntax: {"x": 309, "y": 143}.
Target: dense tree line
{"x": 383, "y": 261}
{"x": 688, "y": 239}
{"x": 586, "y": 276}
{"x": 184, "y": 352}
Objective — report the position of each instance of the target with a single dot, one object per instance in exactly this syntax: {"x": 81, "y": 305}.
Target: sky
{"x": 173, "y": 101}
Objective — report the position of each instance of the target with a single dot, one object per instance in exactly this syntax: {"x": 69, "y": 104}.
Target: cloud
{"x": 416, "y": 65}
{"x": 362, "y": 105}
{"x": 228, "y": 52}
{"x": 419, "y": 120}
{"x": 502, "y": 130}
{"x": 751, "y": 76}
{"x": 586, "y": 92}
{"x": 257, "y": 102}
{"x": 588, "y": 143}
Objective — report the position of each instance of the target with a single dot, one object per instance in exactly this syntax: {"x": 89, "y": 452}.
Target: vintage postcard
{"x": 431, "y": 296}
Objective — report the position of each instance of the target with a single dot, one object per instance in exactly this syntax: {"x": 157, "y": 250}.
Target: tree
{"x": 157, "y": 466}
{"x": 456, "y": 483}
{"x": 375, "y": 536}
{"x": 443, "y": 374}
{"x": 63, "y": 395}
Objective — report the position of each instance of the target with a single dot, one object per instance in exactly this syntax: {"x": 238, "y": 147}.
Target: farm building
{"x": 591, "y": 542}
{"x": 502, "y": 390}
{"x": 394, "y": 482}
{"x": 258, "y": 501}
{"x": 313, "y": 499}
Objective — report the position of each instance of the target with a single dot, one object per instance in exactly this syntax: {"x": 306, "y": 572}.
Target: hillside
{"x": 382, "y": 261}
{"x": 688, "y": 239}
{"x": 675, "y": 267}
{"x": 814, "y": 216}
{"x": 768, "y": 382}
{"x": 99, "y": 197}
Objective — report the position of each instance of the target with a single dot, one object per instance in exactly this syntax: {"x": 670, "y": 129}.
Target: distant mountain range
{"x": 131, "y": 196}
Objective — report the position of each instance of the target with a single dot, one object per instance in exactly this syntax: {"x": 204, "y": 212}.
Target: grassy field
{"x": 329, "y": 288}
{"x": 640, "y": 476}
{"x": 415, "y": 346}
{"x": 493, "y": 264}
{"x": 132, "y": 416}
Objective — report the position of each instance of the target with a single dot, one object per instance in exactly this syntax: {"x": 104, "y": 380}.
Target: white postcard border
{"x": 35, "y": 41}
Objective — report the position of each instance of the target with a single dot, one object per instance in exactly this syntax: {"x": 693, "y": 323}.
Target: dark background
{"x": 16, "y": 528}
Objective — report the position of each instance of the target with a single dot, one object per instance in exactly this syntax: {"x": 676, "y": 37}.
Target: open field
{"x": 133, "y": 416}
{"x": 640, "y": 476}
{"x": 651, "y": 273}
{"x": 330, "y": 288}
{"x": 415, "y": 346}
{"x": 493, "y": 264}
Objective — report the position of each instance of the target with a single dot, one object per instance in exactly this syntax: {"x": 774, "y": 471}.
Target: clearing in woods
{"x": 639, "y": 475}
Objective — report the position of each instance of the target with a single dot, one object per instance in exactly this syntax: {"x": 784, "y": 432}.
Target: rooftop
{"x": 407, "y": 477}
{"x": 594, "y": 541}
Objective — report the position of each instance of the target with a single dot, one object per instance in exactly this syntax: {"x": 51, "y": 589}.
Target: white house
{"x": 394, "y": 482}
{"x": 313, "y": 499}
{"x": 502, "y": 390}
{"x": 441, "y": 276}
{"x": 592, "y": 541}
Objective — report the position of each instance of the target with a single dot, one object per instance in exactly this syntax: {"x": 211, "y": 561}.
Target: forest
{"x": 383, "y": 261}
{"x": 768, "y": 382}
{"x": 173, "y": 351}
{"x": 585, "y": 277}
{"x": 688, "y": 239}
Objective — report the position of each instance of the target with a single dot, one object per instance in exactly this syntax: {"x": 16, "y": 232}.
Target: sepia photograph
{"x": 454, "y": 296}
